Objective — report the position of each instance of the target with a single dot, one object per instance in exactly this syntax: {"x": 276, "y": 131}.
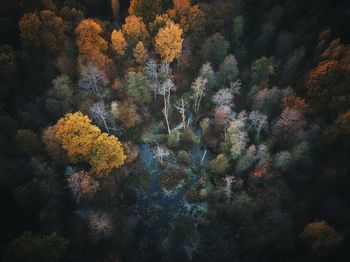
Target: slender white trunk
{"x": 204, "y": 154}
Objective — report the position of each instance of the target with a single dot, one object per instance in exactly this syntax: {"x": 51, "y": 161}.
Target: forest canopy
{"x": 175, "y": 130}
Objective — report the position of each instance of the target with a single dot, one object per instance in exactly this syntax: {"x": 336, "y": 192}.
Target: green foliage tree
{"x": 214, "y": 49}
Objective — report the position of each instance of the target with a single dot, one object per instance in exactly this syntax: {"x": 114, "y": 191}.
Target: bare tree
{"x": 82, "y": 184}
{"x": 181, "y": 107}
{"x": 257, "y": 121}
{"x": 101, "y": 115}
{"x": 93, "y": 80}
{"x": 198, "y": 87}
{"x": 151, "y": 70}
{"x": 161, "y": 153}
{"x": 100, "y": 225}
{"x": 165, "y": 90}
{"x": 223, "y": 97}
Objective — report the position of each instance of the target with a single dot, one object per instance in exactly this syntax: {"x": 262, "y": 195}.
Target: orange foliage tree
{"x": 296, "y": 103}
{"x": 119, "y": 43}
{"x": 89, "y": 39}
{"x": 140, "y": 53}
{"x": 328, "y": 84}
{"x": 321, "y": 236}
{"x": 91, "y": 45}
{"x": 134, "y": 30}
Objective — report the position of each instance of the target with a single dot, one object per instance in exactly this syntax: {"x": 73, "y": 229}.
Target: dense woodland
{"x": 175, "y": 130}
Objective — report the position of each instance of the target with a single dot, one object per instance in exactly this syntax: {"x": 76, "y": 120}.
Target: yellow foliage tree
{"x": 134, "y": 30}
{"x": 119, "y": 43}
{"x": 140, "y": 53}
{"x": 85, "y": 142}
{"x": 168, "y": 42}
{"x": 76, "y": 134}
{"x": 106, "y": 154}
{"x": 89, "y": 39}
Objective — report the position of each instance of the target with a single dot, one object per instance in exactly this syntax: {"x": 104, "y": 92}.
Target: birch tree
{"x": 181, "y": 108}
{"x": 101, "y": 115}
{"x": 257, "y": 122}
{"x": 198, "y": 87}
{"x": 165, "y": 90}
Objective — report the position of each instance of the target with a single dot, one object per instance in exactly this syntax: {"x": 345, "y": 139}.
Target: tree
{"x": 223, "y": 97}
{"x": 228, "y": 71}
{"x": 126, "y": 114}
{"x": 93, "y": 80}
{"x": 138, "y": 87}
{"x": 101, "y": 115}
{"x": 257, "y": 122}
{"x": 82, "y": 184}
{"x": 8, "y": 69}
{"x": 140, "y": 53}
{"x": 27, "y": 142}
{"x": 60, "y": 96}
{"x": 237, "y": 136}
{"x": 182, "y": 4}
{"x": 147, "y": 9}
{"x": 262, "y": 69}
{"x": 76, "y": 134}
{"x": 237, "y": 31}
{"x": 134, "y": 30}
{"x": 343, "y": 122}
{"x": 268, "y": 100}
{"x": 106, "y": 154}
{"x": 115, "y": 9}
{"x": 85, "y": 142}
{"x": 89, "y": 40}
{"x": 207, "y": 72}
{"x": 214, "y": 49}
{"x": 219, "y": 165}
{"x": 322, "y": 237}
{"x": 290, "y": 125}
{"x": 296, "y": 103}
{"x": 228, "y": 187}
{"x": 168, "y": 42}
{"x": 165, "y": 90}
{"x": 247, "y": 160}
{"x": 181, "y": 107}
{"x": 100, "y": 225}
{"x": 44, "y": 30}
{"x": 91, "y": 45}
{"x": 221, "y": 115}
{"x": 35, "y": 248}
{"x": 283, "y": 160}
{"x": 119, "y": 43}
{"x": 161, "y": 153}
{"x": 52, "y": 145}
{"x": 329, "y": 79}
{"x": 198, "y": 87}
